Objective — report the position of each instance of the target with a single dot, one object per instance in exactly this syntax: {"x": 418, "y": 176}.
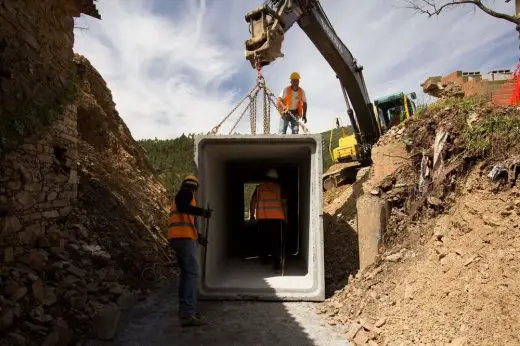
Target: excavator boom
{"x": 268, "y": 24}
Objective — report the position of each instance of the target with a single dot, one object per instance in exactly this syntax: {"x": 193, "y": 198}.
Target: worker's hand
{"x": 202, "y": 240}
{"x": 305, "y": 119}
{"x": 207, "y": 213}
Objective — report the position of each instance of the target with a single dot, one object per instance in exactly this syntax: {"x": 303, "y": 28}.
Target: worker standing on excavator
{"x": 271, "y": 212}
{"x": 183, "y": 237}
{"x": 292, "y": 104}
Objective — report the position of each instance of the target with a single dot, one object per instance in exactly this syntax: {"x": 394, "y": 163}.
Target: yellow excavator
{"x": 391, "y": 110}
{"x": 267, "y": 26}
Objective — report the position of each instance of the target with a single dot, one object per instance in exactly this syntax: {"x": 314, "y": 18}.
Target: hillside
{"x": 66, "y": 277}
{"x": 446, "y": 270}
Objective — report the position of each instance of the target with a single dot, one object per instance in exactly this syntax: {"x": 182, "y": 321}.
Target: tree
{"x": 435, "y": 7}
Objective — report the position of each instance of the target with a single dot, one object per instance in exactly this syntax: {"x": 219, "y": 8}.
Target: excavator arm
{"x": 267, "y": 26}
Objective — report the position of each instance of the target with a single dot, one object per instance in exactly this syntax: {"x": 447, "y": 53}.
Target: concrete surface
{"x": 225, "y": 164}
{"x": 372, "y": 218}
{"x": 154, "y": 322}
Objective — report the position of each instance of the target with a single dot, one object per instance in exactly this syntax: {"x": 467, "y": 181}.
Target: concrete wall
{"x": 224, "y": 164}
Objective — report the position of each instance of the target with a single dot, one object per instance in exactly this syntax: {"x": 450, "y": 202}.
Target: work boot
{"x": 194, "y": 320}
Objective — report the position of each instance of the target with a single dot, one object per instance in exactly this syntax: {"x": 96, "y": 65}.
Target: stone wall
{"x": 39, "y": 181}
{"x": 38, "y": 120}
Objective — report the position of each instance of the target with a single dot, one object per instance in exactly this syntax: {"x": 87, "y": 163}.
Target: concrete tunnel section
{"x": 228, "y": 167}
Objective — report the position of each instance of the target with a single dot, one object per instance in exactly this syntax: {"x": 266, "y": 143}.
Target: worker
{"x": 183, "y": 237}
{"x": 269, "y": 206}
{"x": 292, "y": 101}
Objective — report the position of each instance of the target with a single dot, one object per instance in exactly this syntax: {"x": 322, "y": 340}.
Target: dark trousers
{"x": 186, "y": 253}
{"x": 272, "y": 237}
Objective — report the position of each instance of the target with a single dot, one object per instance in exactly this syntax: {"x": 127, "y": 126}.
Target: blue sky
{"x": 178, "y": 66}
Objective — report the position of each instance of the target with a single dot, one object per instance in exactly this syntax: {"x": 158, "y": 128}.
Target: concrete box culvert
{"x": 227, "y": 167}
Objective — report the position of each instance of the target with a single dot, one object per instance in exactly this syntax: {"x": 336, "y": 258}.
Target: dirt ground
{"x": 447, "y": 273}
{"x": 153, "y": 321}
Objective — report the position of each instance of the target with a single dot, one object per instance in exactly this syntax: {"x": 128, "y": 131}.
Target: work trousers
{"x": 286, "y": 119}
{"x": 186, "y": 253}
{"x": 272, "y": 238}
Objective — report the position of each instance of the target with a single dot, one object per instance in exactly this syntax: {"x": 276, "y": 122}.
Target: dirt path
{"x": 154, "y": 322}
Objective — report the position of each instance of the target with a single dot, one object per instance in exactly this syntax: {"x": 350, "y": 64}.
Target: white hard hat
{"x": 272, "y": 173}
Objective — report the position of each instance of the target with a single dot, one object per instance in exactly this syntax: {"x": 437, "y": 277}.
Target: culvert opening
{"x": 230, "y": 168}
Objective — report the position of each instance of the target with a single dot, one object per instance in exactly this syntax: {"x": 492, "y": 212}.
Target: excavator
{"x": 267, "y": 26}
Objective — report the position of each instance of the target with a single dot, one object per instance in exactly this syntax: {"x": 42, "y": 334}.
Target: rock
{"x": 6, "y": 318}
{"x": 374, "y": 192}
{"x": 80, "y": 230}
{"x": 52, "y": 196}
{"x": 51, "y": 214}
{"x": 361, "y": 337}
{"x": 33, "y": 277}
{"x": 10, "y": 225}
{"x": 36, "y": 259}
{"x": 490, "y": 221}
{"x": 20, "y": 293}
{"x": 42, "y": 294}
{"x": 408, "y": 292}
{"x": 61, "y": 334}
{"x": 434, "y": 201}
{"x": 106, "y": 323}
{"x": 127, "y": 299}
{"x": 395, "y": 257}
{"x": 372, "y": 343}
{"x": 353, "y": 330}
{"x": 35, "y": 328}
{"x": 76, "y": 271}
{"x": 17, "y": 339}
{"x": 25, "y": 199}
{"x": 367, "y": 325}
{"x": 38, "y": 315}
{"x": 380, "y": 322}
{"x": 460, "y": 341}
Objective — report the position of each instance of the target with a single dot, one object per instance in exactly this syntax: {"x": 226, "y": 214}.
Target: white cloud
{"x": 167, "y": 74}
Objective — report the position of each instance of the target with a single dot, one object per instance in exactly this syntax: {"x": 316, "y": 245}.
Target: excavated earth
{"x": 448, "y": 271}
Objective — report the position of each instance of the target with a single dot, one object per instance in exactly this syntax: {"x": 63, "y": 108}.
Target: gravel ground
{"x": 154, "y": 322}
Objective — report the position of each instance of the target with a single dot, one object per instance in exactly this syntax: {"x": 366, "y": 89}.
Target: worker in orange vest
{"x": 268, "y": 205}
{"x": 183, "y": 237}
{"x": 292, "y": 101}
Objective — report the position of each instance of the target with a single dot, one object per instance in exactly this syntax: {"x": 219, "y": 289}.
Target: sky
{"x": 178, "y": 66}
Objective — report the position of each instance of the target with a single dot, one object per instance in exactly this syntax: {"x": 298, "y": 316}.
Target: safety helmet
{"x": 191, "y": 180}
{"x": 295, "y": 75}
{"x": 272, "y": 173}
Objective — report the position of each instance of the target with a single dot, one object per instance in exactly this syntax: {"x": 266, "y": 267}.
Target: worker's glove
{"x": 202, "y": 240}
{"x": 207, "y": 213}
{"x": 305, "y": 120}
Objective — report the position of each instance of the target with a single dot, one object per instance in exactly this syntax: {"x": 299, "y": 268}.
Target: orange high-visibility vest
{"x": 182, "y": 225}
{"x": 269, "y": 202}
{"x": 288, "y": 99}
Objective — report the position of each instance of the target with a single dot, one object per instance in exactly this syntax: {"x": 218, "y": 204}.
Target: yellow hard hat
{"x": 191, "y": 180}
{"x": 295, "y": 75}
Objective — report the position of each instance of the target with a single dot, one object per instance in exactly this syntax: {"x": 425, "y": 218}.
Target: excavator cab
{"x": 393, "y": 109}
{"x": 267, "y": 33}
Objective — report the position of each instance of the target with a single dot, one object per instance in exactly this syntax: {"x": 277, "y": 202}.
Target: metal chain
{"x": 215, "y": 129}
{"x": 267, "y": 113}
{"x": 240, "y": 117}
{"x": 252, "y": 115}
